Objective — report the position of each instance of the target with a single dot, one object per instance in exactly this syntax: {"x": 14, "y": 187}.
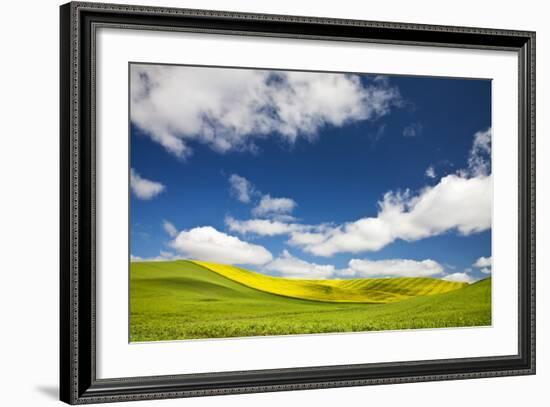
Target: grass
{"x": 364, "y": 290}
{"x": 184, "y": 300}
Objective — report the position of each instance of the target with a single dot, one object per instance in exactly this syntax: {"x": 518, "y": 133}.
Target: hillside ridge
{"x": 367, "y": 290}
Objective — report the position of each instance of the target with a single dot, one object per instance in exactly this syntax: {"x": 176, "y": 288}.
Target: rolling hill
{"x": 364, "y": 290}
{"x": 184, "y": 300}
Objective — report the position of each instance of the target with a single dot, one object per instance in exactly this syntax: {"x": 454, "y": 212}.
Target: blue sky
{"x": 312, "y": 175}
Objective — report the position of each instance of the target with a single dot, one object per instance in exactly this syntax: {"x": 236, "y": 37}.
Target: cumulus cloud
{"x": 268, "y": 206}
{"x": 143, "y": 188}
{"x": 305, "y": 238}
{"x": 393, "y": 268}
{"x": 228, "y": 109}
{"x": 135, "y": 259}
{"x": 208, "y": 244}
{"x": 300, "y": 233}
{"x": 273, "y": 206}
{"x": 455, "y": 203}
{"x": 289, "y": 266}
{"x": 430, "y": 172}
{"x": 367, "y": 234}
{"x": 483, "y": 262}
{"x": 169, "y": 228}
{"x": 460, "y": 202}
{"x": 163, "y": 256}
{"x": 241, "y": 188}
{"x": 459, "y": 277}
{"x": 262, "y": 227}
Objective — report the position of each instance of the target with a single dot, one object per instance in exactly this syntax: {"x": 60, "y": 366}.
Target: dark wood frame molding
{"x": 78, "y": 380}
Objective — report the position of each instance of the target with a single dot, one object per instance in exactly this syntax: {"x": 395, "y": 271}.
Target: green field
{"x": 191, "y": 300}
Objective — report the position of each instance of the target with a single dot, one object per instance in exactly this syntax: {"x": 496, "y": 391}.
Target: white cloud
{"x": 483, "y": 262}
{"x": 291, "y": 267}
{"x": 273, "y": 206}
{"x": 170, "y": 228}
{"x": 430, "y": 172}
{"x": 393, "y": 268}
{"x": 207, "y": 244}
{"x": 367, "y": 234}
{"x": 281, "y": 217}
{"x": 298, "y": 238}
{"x": 455, "y": 203}
{"x": 412, "y": 130}
{"x": 144, "y": 188}
{"x": 135, "y": 259}
{"x": 300, "y": 233}
{"x": 459, "y": 277}
{"x": 227, "y": 109}
{"x": 168, "y": 255}
{"x": 241, "y": 188}
{"x": 163, "y": 256}
{"x": 458, "y": 202}
{"x": 479, "y": 159}
{"x": 262, "y": 227}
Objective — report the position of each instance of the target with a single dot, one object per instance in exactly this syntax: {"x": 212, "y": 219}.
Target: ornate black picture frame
{"x": 78, "y": 381}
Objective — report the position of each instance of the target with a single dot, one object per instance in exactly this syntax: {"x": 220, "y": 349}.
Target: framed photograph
{"x": 255, "y": 203}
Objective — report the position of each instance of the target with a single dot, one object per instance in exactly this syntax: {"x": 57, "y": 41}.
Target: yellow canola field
{"x": 364, "y": 290}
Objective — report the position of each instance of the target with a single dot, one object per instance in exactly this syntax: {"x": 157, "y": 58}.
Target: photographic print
{"x": 273, "y": 202}
{"x": 290, "y": 199}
